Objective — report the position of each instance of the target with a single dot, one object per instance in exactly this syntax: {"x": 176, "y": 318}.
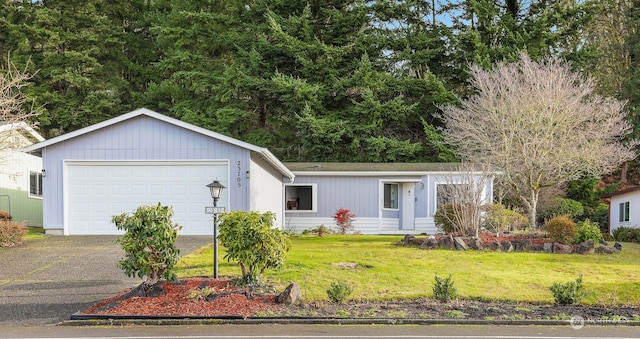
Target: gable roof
{"x": 24, "y": 129}
{"x": 263, "y": 152}
{"x": 624, "y": 191}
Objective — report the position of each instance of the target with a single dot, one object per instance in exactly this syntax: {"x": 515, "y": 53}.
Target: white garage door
{"x": 97, "y": 191}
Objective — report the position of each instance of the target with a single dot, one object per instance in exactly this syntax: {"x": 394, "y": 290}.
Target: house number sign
{"x": 238, "y": 176}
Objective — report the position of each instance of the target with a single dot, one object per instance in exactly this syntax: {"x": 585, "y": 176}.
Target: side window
{"x": 35, "y": 184}
{"x": 624, "y": 211}
{"x": 301, "y": 197}
{"x": 391, "y": 196}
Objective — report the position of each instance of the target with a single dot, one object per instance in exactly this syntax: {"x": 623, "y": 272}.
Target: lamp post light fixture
{"x": 216, "y": 191}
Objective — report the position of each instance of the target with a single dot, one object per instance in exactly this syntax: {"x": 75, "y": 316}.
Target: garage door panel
{"x": 96, "y": 193}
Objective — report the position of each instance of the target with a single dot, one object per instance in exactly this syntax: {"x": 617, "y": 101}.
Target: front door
{"x": 407, "y": 207}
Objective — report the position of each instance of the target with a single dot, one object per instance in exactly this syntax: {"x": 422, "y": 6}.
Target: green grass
{"x": 386, "y": 271}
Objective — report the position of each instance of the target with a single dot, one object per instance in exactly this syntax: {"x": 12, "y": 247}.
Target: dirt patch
{"x": 185, "y": 297}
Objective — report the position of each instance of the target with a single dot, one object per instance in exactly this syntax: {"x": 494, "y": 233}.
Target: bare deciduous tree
{"x": 465, "y": 193}
{"x": 14, "y": 106}
{"x": 539, "y": 124}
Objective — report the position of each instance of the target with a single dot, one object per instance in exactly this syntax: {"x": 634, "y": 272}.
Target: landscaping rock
{"x": 459, "y": 244}
{"x": 476, "y": 244}
{"x": 547, "y": 247}
{"x": 495, "y": 245}
{"x": 411, "y": 240}
{"x": 559, "y": 248}
{"x": 507, "y": 246}
{"x": 446, "y": 242}
{"x": 585, "y": 247}
{"x": 618, "y": 246}
{"x": 536, "y": 248}
{"x": 429, "y": 244}
{"x": 607, "y": 250}
{"x": 291, "y": 295}
{"x": 521, "y": 245}
{"x": 603, "y": 242}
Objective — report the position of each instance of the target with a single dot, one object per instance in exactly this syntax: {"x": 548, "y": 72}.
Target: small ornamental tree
{"x": 250, "y": 239}
{"x": 149, "y": 243}
{"x": 343, "y": 218}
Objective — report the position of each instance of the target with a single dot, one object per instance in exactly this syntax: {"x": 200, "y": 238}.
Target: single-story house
{"x": 20, "y": 174}
{"x": 624, "y": 208}
{"x": 386, "y": 198}
{"x": 144, "y": 157}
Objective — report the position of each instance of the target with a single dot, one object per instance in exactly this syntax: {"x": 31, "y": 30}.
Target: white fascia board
{"x": 373, "y": 173}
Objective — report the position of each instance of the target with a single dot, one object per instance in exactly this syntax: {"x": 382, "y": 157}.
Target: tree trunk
{"x": 623, "y": 173}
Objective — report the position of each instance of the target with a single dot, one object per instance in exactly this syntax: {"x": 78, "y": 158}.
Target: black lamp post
{"x": 216, "y": 191}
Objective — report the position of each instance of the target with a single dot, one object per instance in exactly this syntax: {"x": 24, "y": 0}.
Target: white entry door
{"x": 96, "y": 191}
{"x": 408, "y": 221}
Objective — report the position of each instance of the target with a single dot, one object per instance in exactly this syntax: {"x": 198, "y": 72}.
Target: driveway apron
{"x": 46, "y": 280}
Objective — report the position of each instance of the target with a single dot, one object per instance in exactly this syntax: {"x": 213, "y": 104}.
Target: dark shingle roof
{"x": 369, "y": 167}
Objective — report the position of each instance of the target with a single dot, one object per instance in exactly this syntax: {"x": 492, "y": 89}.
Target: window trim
{"x": 397, "y": 201}
{"x": 314, "y": 198}
{"x": 624, "y": 212}
{"x": 38, "y": 176}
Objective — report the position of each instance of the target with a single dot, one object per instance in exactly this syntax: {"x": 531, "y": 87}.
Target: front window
{"x": 301, "y": 198}
{"x": 391, "y": 196}
{"x": 624, "y": 211}
{"x": 35, "y": 184}
{"x": 452, "y": 193}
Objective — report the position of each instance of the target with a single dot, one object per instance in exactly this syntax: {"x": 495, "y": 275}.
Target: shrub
{"x": 627, "y": 234}
{"x": 343, "y": 218}
{"x": 561, "y": 229}
{"x": 12, "y": 233}
{"x": 444, "y": 218}
{"x": 443, "y": 289}
{"x": 501, "y": 219}
{"x": 338, "y": 292}
{"x": 569, "y": 293}
{"x": 588, "y": 230}
{"x": 250, "y": 239}
{"x": 564, "y": 206}
{"x": 149, "y": 243}
{"x": 601, "y": 216}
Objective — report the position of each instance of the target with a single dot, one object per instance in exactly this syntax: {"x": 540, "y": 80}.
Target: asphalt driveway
{"x": 46, "y": 280}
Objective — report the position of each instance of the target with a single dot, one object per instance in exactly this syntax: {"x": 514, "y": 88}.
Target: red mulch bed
{"x": 175, "y": 301}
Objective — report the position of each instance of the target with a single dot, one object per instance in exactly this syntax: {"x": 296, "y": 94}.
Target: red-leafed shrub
{"x": 343, "y": 218}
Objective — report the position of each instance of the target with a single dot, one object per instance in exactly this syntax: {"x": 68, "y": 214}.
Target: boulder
{"x": 495, "y": 245}
{"x": 618, "y": 246}
{"x": 476, "y": 244}
{"x": 459, "y": 244}
{"x": 429, "y": 244}
{"x": 506, "y": 245}
{"x": 585, "y": 247}
{"x": 291, "y": 295}
{"x": 547, "y": 247}
{"x": 607, "y": 250}
{"x": 411, "y": 240}
{"x": 559, "y": 248}
{"x": 446, "y": 242}
{"x": 603, "y": 242}
{"x": 521, "y": 245}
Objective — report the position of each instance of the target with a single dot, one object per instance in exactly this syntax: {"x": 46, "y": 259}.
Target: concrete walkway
{"x": 46, "y": 280}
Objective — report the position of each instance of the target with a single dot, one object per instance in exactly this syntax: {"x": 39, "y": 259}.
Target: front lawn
{"x": 387, "y": 271}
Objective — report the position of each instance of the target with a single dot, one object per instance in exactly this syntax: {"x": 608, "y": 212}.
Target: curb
{"x": 77, "y": 320}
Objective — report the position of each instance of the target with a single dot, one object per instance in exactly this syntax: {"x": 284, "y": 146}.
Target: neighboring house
{"x": 144, "y": 157}
{"x": 624, "y": 208}
{"x": 20, "y": 174}
{"x": 389, "y": 198}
